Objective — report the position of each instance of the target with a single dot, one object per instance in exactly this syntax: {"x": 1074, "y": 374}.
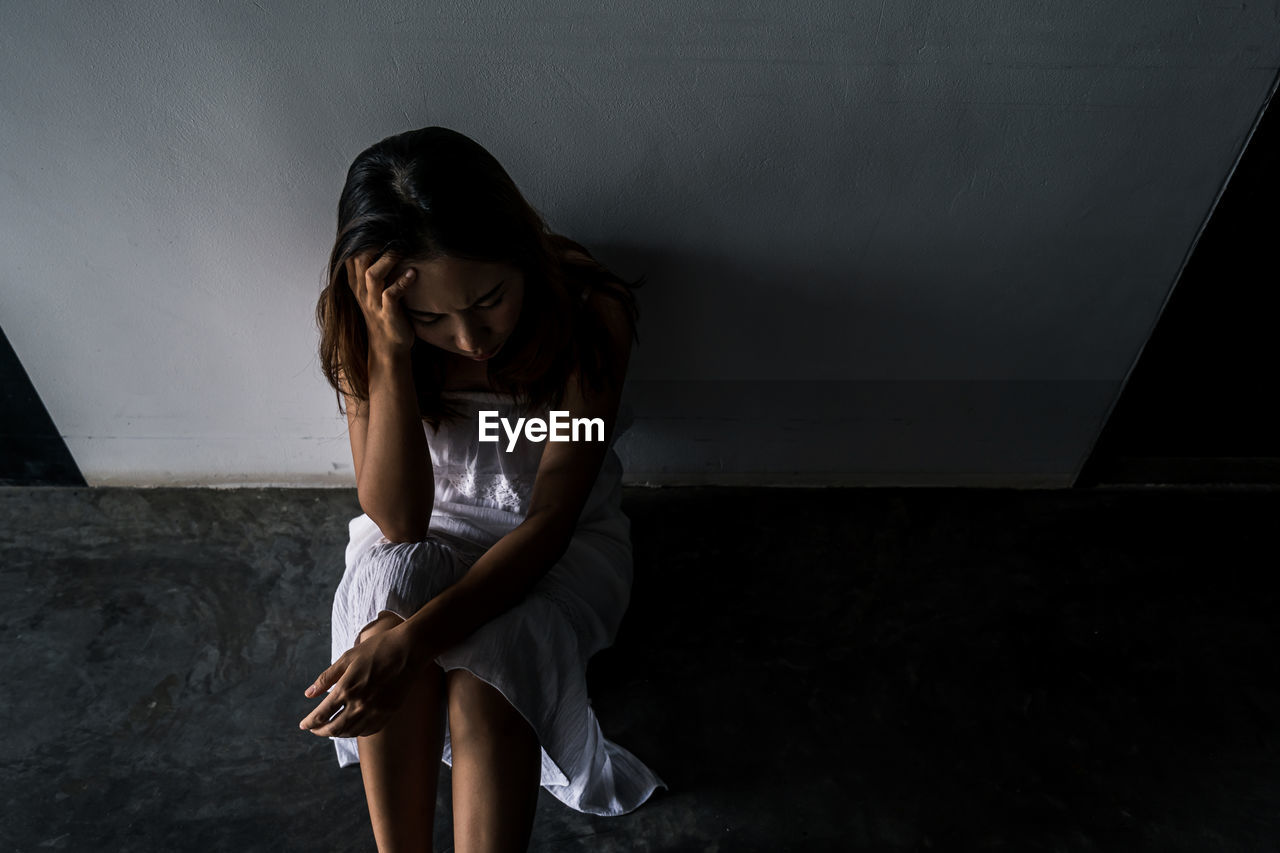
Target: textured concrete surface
{"x": 807, "y": 669}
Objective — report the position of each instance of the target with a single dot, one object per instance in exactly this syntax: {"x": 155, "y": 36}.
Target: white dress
{"x": 536, "y": 653}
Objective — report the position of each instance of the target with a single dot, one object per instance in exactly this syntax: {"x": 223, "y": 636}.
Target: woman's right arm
{"x": 394, "y": 478}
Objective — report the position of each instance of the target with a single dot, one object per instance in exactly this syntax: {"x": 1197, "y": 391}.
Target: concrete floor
{"x": 807, "y": 669}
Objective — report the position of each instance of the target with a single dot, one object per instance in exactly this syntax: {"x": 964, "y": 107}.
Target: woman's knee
{"x": 385, "y": 622}
{"x": 429, "y": 552}
{"x": 413, "y": 571}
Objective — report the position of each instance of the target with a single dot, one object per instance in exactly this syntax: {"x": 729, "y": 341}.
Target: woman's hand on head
{"x": 369, "y": 683}
{"x": 389, "y": 326}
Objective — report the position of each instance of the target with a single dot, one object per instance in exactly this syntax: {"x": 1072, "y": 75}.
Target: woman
{"x": 482, "y": 575}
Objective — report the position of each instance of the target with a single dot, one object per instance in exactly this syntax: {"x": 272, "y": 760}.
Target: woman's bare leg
{"x": 497, "y": 768}
{"x": 400, "y": 764}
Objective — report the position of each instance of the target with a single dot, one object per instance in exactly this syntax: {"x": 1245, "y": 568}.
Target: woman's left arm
{"x": 505, "y": 573}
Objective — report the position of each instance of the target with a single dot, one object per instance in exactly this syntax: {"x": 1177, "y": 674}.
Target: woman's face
{"x": 468, "y": 308}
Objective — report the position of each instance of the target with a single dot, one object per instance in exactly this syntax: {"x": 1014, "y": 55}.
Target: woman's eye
{"x": 494, "y": 304}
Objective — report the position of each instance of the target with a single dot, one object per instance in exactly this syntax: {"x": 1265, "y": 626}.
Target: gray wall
{"x": 907, "y": 243}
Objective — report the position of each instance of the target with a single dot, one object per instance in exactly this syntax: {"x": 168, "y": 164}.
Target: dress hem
{"x": 551, "y": 786}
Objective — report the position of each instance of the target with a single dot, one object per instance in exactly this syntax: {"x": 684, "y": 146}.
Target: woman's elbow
{"x": 396, "y": 538}
{"x": 402, "y": 529}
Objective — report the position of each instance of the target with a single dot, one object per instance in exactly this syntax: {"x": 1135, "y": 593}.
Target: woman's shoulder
{"x": 595, "y": 287}
{"x": 606, "y": 299}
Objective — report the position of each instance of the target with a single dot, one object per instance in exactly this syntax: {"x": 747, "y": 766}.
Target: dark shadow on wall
{"x": 32, "y": 453}
{"x": 1198, "y": 406}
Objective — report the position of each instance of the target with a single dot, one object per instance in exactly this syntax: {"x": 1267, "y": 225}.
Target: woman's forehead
{"x": 441, "y": 289}
{"x": 446, "y": 269}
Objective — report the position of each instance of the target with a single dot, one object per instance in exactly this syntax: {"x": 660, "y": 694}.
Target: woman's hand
{"x": 370, "y": 680}
{"x": 389, "y": 326}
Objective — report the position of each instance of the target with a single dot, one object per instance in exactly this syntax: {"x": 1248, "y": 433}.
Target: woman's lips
{"x": 488, "y": 355}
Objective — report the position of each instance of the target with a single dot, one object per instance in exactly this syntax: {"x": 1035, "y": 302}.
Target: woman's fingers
{"x": 396, "y": 290}
{"x": 333, "y": 728}
{"x": 368, "y": 280}
{"x": 367, "y": 684}
{"x": 354, "y": 281}
{"x": 362, "y": 269}
{"x": 374, "y": 274}
{"x": 329, "y": 677}
{"x": 352, "y": 722}
{"x": 320, "y": 715}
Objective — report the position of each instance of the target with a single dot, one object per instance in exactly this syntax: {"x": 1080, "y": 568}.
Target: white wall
{"x": 888, "y": 243}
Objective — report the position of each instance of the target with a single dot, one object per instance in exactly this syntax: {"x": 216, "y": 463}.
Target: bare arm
{"x": 505, "y": 573}
{"x": 394, "y": 478}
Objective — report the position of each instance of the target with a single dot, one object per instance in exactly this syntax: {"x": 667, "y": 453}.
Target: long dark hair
{"x": 433, "y": 193}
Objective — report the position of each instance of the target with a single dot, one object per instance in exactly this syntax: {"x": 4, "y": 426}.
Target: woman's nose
{"x": 468, "y": 340}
